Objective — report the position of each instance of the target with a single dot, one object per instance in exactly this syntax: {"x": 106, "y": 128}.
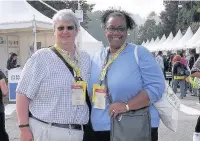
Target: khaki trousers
{"x": 46, "y": 132}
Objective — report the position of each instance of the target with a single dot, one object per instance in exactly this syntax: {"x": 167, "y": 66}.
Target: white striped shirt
{"x": 47, "y": 82}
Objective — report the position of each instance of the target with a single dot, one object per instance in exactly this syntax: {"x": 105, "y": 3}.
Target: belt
{"x": 70, "y": 126}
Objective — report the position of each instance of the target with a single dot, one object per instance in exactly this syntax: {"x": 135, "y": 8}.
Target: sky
{"x": 141, "y": 7}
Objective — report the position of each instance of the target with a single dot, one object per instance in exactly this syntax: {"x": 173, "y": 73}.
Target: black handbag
{"x": 88, "y": 130}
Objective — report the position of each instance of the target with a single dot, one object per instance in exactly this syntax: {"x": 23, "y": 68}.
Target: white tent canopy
{"x": 20, "y": 15}
{"x": 165, "y": 44}
{"x": 151, "y": 42}
{"x": 149, "y": 46}
{"x": 180, "y": 41}
{"x": 173, "y": 43}
{"x": 162, "y": 39}
{"x": 184, "y": 39}
{"x": 197, "y": 44}
{"x": 17, "y": 19}
{"x": 157, "y": 46}
{"x": 147, "y": 42}
{"x": 88, "y": 42}
{"x": 196, "y": 37}
{"x": 143, "y": 43}
{"x": 157, "y": 40}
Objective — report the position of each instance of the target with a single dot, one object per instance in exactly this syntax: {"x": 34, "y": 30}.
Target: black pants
{"x": 3, "y": 134}
{"x": 105, "y": 135}
{"x": 197, "y": 128}
{"x": 154, "y": 134}
{"x": 102, "y": 135}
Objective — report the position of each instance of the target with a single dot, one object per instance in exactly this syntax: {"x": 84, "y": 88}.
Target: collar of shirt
{"x": 74, "y": 58}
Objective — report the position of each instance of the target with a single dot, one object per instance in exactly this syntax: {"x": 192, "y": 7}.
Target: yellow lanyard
{"x": 108, "y": 63}
{"x": 75, "y": 68}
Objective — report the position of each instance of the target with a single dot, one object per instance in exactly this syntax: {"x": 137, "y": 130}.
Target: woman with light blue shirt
{"x": 132, "y": 84}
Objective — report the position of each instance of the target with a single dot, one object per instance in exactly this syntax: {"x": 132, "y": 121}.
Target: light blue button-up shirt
{"x": 126, "y": 79}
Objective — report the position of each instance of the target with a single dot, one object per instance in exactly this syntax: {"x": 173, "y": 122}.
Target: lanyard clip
{"x": 78, "y": 79}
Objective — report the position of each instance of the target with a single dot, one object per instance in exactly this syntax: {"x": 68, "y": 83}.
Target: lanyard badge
{"x": 100, "y": 92}
{"x": 99, "y": 96}
{"x": 79, "y": 93}
{"x": 79, "y": 87}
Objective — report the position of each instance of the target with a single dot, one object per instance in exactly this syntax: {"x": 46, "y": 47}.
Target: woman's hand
{"x": 117, "y": 108}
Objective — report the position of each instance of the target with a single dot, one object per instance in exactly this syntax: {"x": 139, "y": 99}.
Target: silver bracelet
{"x": 127, "y": 107}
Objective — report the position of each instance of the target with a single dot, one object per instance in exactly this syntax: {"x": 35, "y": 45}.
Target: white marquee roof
{"x": 184, "y": 39}
{"x": 196, "y": 37}
{"x": 19, "y": 14}
{"x": 173, "y": 43}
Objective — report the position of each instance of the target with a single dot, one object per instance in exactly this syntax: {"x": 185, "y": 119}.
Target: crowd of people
{"x": 176, "y": 67}
{"x": 182, "y": 71}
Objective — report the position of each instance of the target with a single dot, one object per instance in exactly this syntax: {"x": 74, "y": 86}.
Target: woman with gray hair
{"x": 51, "y": 92}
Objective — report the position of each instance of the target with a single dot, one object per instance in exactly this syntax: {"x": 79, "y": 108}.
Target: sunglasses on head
{"x": 61, "y": 28}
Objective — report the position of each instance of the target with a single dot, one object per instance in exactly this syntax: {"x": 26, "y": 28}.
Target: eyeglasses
{"x": 61, "y": 28}
{"x": 118, "y": 29}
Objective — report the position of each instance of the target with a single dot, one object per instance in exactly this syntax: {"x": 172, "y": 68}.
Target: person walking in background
{"x": 179, "y": 75}
{"x": 3, "y": 92}
{"x": 183, "y": 59}
{"x": 193, "y": 57}
{"x": 160, "y": 60}
{"x": 185, "y": 62}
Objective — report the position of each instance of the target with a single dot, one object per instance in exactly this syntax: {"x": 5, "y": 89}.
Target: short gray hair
{"x": 66, "y": 15}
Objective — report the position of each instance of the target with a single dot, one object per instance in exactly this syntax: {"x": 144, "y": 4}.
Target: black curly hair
{"x": 130, "y": 23}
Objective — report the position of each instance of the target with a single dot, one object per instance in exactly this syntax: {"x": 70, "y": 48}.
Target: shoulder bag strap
{"x": 72, "y": 72}
{"x": 60, "y": 56}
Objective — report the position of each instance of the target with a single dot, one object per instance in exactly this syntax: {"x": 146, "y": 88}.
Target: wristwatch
{"x": 25, "y": 125}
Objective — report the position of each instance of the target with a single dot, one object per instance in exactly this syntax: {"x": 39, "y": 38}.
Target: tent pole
{"x": 80, "y": 32}
{"x": 34, "y": 32}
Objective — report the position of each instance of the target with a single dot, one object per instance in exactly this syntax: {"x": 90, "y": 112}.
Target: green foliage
{"x": 186, "y": 14}
{"x": 169, "y": 17}
{"x": 150, "y": 29}
{"x": 58, "y": 5}
{"x": 194, "y": 26}
{"x": 177, "y": 15}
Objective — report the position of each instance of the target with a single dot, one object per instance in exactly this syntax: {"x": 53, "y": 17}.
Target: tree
{"x": 169, "y": 17}
{"x": 150, "y": 29}
{"x": 188, "y": 15}
{"x": 152, "y": 15}
{"x": 177, "y": 15}
{"x": 73, "y": 5}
